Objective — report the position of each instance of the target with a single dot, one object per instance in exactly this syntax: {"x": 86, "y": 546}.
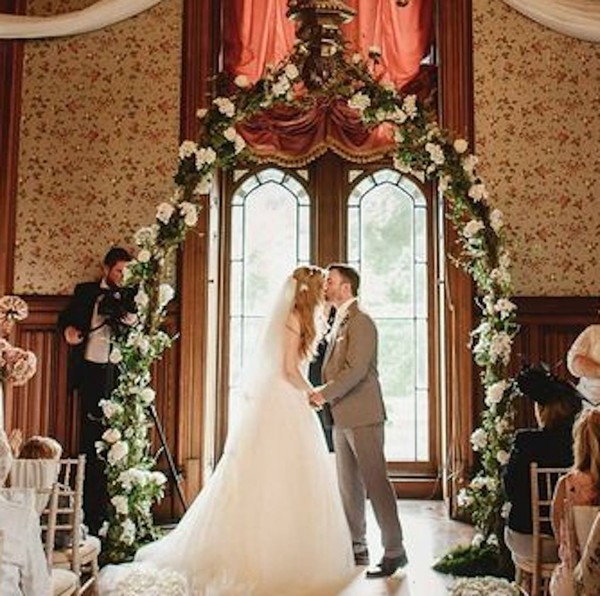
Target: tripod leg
{"x": 170, "y": 462}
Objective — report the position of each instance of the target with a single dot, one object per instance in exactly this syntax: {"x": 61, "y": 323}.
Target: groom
{"x": 352, "y": 390}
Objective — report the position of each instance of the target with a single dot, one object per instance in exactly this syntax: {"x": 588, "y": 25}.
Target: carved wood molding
{"x": 455, "y": 48}
{"x": 11, "y": 68}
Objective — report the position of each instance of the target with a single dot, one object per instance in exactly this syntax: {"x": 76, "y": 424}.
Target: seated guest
{"x": 587, "y": 572}
{"x": 37, "y": 447}
{"x": 581, "y": 486}
{"x": 583, "y": 361}
{"x": 23, "y": 568}
{"x": 556, "y": 404}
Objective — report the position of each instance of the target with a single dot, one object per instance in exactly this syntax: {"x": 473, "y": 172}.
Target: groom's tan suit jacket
{"x": 350, "y": 372}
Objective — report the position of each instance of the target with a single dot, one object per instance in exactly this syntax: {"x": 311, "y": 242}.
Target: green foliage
{"x": 474, "y": 561}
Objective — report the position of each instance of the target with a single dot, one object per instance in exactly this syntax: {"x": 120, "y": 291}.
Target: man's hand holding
{"x": 73, "y": 336}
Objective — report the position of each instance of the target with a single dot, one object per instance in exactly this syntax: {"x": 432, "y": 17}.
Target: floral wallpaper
{"x": 98, "y": 143}
{"x": 537, "y": 128}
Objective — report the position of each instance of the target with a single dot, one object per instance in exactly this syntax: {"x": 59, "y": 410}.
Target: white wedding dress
{"x": 269, "y": 522}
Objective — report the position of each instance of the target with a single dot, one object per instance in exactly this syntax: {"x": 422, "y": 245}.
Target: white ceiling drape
{"x": 576, "y": 18}
{"x": 98, "y": 15}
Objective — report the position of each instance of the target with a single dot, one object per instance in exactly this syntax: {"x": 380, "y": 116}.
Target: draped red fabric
{"x": 257, "y": 33}
{"x": 291, "y": 136}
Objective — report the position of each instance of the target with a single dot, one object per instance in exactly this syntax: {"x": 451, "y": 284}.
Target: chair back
{"x": 543, "y": 482}
{"x": 36, "y": 474}
{"x": 69, "y": 512}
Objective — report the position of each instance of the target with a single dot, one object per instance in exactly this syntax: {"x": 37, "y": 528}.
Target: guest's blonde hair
{"x": 309, "y": 295}
{"x": 37, "y": 447}
{"x": 586, "y": 444}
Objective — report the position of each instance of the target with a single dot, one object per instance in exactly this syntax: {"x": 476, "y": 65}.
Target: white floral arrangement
{"x": 422, "y": 150}
{"x": 17, "y": 366}
{"x": 148, "y": 581}
{"x": 476, "y": 586}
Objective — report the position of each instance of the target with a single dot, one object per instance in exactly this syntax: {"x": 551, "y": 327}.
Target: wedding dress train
{"x": 270, "y": 521}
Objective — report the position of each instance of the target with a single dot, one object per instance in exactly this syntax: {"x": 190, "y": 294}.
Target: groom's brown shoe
{"x": 388, "y": 566}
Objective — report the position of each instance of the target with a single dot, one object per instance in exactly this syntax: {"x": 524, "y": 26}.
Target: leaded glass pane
{"x": 387, "y": 241}
{"x": 272, "y": 229}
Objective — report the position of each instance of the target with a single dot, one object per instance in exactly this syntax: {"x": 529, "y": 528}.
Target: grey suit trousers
{"x": 361, "y": 469}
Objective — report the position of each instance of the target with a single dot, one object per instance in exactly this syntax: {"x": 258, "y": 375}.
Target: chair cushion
{"x": 521, "y": 546}
{"x": 64, "y": 582}
{"x": 88, "y": 549}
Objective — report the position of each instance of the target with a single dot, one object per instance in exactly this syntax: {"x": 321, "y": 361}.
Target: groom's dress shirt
{"x": 340, "y": 315}
{"x": 98, "y": 342}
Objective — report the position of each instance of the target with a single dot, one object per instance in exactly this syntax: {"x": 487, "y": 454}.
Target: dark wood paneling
{"x": 199, "y": 63}
{"x": 548, "y": 327}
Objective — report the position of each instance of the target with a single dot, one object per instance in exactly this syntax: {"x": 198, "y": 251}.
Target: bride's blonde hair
{"x": 586, "y": 444}
{"x": 309, "y": 295}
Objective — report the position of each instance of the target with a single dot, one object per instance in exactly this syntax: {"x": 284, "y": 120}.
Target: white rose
{"x": 111, "y": 435}
{"x": 463, "y": 498}
{"x": 436, "y": 153}
{"x": 225, "y": 106}
{"x": 141, "y": 298}
{"x": 128, "y": 533}
{"x": 115, "y": 356}
{"x": 103, "y": 531}
{"x": 374, "y": 51}
{"x": 147, "y": 395}
{"x": 165, "y": 294}
{"x": 164, "y": 212}
{"x": 478, "y": 439}
{"x": 494, "y": 393}
{"x": 356, "y": 58}
{"x": 201, "y": 113}
{"x": 359, "y": 101}
{"x": 280, "y": 87}
{"x": 409, "y": 105}
{"x": 205, "y": 156}
{"x": 146, "y": 235}
{"x": 496, "y": 220}
{"x": 504, "y": 306}
{"x": 109, "y": 408}
{"x": 502, "y": 457}
{"x": 500, "y": 346}
{"x": 144, "y": 255}
{"x": 99, "y": 446}
{"x": 187, "y": 149}
{"x": 241, "y": 81}
{"x": 472, "y": 228}
{"x": 240, "y": 144}
{"x": 203, "y": 187}
{"x": 477, "y": 540}
{"x": 460, "y": 145}
{"x": 121, "y": 504}
{"x": 291, "y": 71}
{"x": 117, "y": 452}
{"x": 158, "y": 478}
{"x": 478, "y": 192}
{"x": 468, "y": 163}
{"x": 190, "y": 213}
{"x": 230, "y": 133}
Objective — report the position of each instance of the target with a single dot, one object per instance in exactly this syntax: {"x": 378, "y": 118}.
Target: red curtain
{"x": 257, "y": 33}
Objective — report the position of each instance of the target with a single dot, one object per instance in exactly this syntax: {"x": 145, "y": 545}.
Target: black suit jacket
{"x": 79, "y": 314}
{"x": 549, "y": 448}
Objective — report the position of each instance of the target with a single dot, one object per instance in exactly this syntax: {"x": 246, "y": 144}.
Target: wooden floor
{"x": 428, "y": 534}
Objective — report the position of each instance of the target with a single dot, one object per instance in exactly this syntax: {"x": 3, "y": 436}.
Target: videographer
{"x": 97, "y": 311}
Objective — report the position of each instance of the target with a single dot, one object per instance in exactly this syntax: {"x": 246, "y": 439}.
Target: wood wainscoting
{"x": 548, "y": 327}
{"x": 45, "y": 406}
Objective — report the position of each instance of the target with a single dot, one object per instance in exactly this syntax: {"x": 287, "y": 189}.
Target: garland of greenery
{"x": 422, "y": 150}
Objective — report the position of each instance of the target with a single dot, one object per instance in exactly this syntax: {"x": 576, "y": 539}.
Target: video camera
{"x": 115, "y": 304}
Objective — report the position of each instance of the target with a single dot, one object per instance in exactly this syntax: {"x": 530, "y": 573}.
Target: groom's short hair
{"x": 349, "y": 274}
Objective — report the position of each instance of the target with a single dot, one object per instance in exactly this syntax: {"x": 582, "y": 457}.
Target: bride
{"x": 270, "y": 519}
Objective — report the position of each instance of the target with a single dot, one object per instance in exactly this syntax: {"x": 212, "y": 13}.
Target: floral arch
{"x": 419, "y": 148}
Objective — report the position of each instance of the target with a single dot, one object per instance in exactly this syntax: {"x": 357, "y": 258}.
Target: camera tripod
{"x": 175, "y": 475}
